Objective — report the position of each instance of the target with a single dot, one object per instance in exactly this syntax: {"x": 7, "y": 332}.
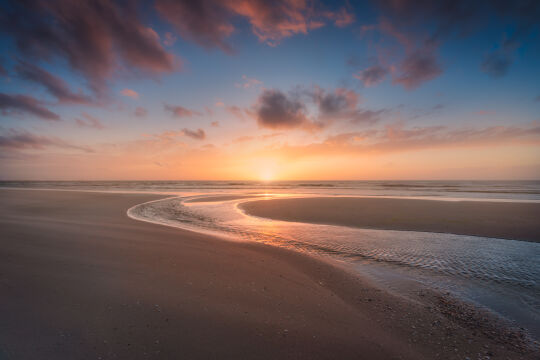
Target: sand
{"x": 505, "y": 220}
{"x": 81, "y": 280}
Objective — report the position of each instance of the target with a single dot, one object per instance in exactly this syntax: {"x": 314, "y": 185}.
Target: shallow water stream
{"x": 502, "y": 275}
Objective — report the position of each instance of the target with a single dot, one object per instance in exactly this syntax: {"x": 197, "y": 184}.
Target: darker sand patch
{"x": 505, "y": 220}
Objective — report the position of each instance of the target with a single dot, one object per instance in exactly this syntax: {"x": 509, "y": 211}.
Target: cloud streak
{"x": 23, "y": 140}
{"x": 180, "y": 111}
{"x": 88, "y": 121}
{"x": 417, "y": 68}
{"x": 398, "y": 138}
{"x": 248, "y": 82}
{"x": 211, "y": 22}
{"x": 421, "y": 27}
{"x": 140, "y": 112}
{"x": 130, "y": 93}
{"x": 23, "y": 104}
{"x": 54, "y": 85}
{"x": 95, "y": 37}
{"x": 372, "y": 75}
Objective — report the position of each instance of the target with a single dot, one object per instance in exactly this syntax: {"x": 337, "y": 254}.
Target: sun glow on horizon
{"x": 267, "y": 175}
{"x": 266, "y": 168}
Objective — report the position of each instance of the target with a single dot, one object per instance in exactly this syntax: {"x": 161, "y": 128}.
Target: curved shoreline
{"x": 503, "y": 220}
{"x": 181, "y": 217}
{"x": 466, "y": 313}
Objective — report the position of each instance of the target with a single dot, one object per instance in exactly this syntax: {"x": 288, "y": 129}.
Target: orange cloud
{"x": 130, "y": 93}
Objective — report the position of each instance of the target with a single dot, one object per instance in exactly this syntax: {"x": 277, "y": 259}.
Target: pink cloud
{"x": 341, "y": 17}
{"x": 210, "y": 22}
{"x": 248, "y": 82}
{"x": 170, "y": 39}
{"x": 236, "y": 111}
{"x": 95, "y": 38}
{"x": 130, "y": 93}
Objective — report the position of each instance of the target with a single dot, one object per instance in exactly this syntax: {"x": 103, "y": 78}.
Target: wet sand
{"x": 505, "y": 220}
{"x": 81, "y": 280}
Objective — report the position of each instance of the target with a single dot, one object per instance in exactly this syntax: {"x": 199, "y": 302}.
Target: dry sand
{"x": 505, "y": 220}
{"x": 81, "y": 280}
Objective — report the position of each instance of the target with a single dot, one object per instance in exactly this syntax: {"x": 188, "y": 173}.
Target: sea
{"x": 455, "y": 189}
{"x": 499, "y": 275}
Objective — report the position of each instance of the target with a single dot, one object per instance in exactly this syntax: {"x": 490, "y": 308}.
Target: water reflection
{"x": 501, "y": 274}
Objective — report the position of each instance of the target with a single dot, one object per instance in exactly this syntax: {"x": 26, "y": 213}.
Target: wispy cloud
{"x": 210, "y": 22}
{"x": 373, "y": 75}
{"x": 170, "y": 39}
{"x": 198, "y": 134}
{"x": 342, "y": 104}
{"x": 421, "y": 27}
{"x": 20, "y": 140}
{"x": 236, "y": 111}
{"x": 130, "y": 93}
{"x": 23, "y": 104}
{"x": 95, "y": 38}
{"x": 88, "y": 121}
{"x": 399, "y": 138}
{"x": 417, "y": 68}
{"x": 248, "y": 82}
{"x": 497, "y": 63}
{"x": 54, "y": 85}
{"x": 180, "y": 111}
{"x": 140, "y": 112}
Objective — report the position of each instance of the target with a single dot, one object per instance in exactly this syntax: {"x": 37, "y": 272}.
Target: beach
{"x": 81, "y": 280}
{"x": 494, "y": 219}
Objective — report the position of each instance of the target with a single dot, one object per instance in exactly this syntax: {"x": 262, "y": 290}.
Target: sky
{"x": 269, "y": 90}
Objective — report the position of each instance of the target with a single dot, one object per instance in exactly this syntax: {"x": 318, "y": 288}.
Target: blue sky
{"x": 217, "y": 80}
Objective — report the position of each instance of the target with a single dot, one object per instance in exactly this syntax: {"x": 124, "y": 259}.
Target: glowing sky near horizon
{"x": 288, "y": 89}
